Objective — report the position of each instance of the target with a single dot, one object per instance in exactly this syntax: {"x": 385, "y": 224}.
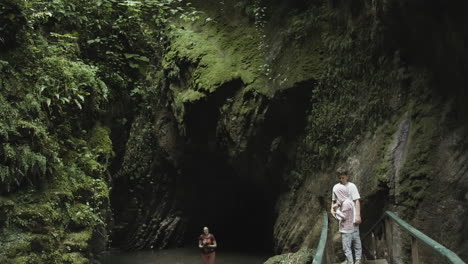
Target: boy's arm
{"x": 358, "y": 212}
{"x": 332, "y": 208}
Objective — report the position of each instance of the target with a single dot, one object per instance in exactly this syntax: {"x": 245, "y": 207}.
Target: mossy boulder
{"x": 303, "y": 256}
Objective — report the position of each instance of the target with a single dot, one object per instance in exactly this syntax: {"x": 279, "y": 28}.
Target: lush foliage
{"x": 67, "y": 68}
{"x": 58, "y": 69}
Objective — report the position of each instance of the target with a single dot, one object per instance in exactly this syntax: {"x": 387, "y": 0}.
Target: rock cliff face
{"x": 272, "y": 100}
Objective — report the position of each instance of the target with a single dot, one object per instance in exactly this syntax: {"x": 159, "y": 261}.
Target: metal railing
{"x": 416, "y": 236}
{"x": 320, "y": 252}
{"x": 322, "y": 255}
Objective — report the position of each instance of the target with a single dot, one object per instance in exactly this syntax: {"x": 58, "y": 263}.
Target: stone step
{"x": 376, "y": 261}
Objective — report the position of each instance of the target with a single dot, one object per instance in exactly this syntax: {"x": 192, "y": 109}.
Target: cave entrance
{"x": 238, "y": 211}
{"x": 237, "y": 208}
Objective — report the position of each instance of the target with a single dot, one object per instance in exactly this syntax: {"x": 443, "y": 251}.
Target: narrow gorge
{"x": 130, "y": 125}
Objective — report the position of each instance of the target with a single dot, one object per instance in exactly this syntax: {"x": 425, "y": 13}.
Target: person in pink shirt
{"x": 207, "y": 244}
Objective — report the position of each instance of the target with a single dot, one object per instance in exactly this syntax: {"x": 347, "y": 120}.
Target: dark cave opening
{"x": 236, "y": 200}
{"x": 238, "y": 211}
{"x": 238, "y": 208}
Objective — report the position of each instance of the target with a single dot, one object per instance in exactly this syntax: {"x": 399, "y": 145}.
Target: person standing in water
{"x": 207, "y": 244}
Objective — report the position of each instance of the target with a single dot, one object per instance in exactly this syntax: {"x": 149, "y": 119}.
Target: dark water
{"x": 180, "y": 256}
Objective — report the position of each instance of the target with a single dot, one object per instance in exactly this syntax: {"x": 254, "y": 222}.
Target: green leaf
{"x": 130, "y": 3}
{"x": 81, "y": 97}
{"x": 78, "y": 104}
{"x": 91, "y": 41}
{"x": 143, "y": 58}
{"x": 42, "y": 89}
{"x": 130, "y": 55}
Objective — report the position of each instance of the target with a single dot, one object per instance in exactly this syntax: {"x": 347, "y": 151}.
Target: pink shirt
{"x": 341, "y": 194}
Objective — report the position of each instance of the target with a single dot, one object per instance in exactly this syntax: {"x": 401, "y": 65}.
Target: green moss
{"x": 215, "y": 53}
{"x": 301, "y": 55}
{"x": 44, "y": 243}
{"x": 23, "y": 260}
{"x": 90, "y": 157}
{"x": 14, "y": 243}
{"x": 82, "y": 216}
{"x": 74, "y": 258}
{"x": 384, "y": 169}
{"x": 303, "y": 256}
{"x": 201, "y": 58}
{"x": 183, "y": 97}
{"x": 93, "y": 192}
{"x": 6, "y": 207}
{"x": 417, "y": 172}
{"x": 100, "y": 142}
{"x": 52, "y": 221}
{"x": 37, "y": 218}
{"x": 189, "y": 96}
{"x": 78, "y": 241}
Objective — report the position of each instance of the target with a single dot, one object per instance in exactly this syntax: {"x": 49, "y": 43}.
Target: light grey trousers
{"x": 348, "y": 239}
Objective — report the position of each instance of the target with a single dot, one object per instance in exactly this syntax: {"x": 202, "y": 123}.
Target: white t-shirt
{"x": 352, "y": 190}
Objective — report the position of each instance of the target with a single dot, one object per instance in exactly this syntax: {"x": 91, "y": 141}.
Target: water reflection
{"x": 179, "y": 256}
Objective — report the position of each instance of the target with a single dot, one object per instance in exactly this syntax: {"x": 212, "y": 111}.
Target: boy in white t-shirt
{"x": 349, "y": 238}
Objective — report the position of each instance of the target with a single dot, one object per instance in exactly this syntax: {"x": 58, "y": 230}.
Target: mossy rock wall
{"x": 371, "y": 104}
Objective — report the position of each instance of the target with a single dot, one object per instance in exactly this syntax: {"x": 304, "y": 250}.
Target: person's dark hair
{"x": 342, "y": 171}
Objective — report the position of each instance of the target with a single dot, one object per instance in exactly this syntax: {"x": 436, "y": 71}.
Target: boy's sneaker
{"x": 358, "y": 262}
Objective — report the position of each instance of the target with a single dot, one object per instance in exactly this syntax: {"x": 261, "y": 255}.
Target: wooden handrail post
{"x": 373, "y": 246}
{"x": 327, "y": 249}
{"x": 389, "y": 238}
{"x": 414, "y": 251}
